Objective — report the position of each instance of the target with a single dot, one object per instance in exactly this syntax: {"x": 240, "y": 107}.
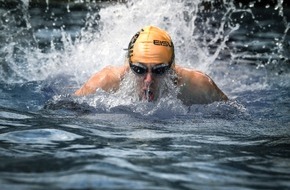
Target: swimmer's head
{"x": 151, "y": 45}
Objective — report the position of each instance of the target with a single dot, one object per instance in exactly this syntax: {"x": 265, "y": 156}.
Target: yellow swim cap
{"x": 151, "y": 45}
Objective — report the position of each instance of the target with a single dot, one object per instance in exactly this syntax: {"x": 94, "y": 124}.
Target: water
{"x": 52, "y": 140}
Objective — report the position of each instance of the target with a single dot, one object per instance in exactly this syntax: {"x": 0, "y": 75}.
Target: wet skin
{"x": 195, "y": 86}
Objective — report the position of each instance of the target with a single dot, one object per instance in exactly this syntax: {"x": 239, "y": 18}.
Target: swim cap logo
{"x": 132, "y": 42}
{"x": 162, "y": 43}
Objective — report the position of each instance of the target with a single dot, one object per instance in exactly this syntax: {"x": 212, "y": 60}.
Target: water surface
{"x": 52, "y": 140}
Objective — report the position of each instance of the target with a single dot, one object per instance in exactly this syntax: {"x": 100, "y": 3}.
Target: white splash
{"x": 95, "y": 49}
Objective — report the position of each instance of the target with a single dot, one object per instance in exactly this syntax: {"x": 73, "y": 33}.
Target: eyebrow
{"x": 140, "y": 64}
{"x": 155, "y": 66}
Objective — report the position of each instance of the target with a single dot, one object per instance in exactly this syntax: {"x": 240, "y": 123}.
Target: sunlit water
{"x": 52, "y": 140}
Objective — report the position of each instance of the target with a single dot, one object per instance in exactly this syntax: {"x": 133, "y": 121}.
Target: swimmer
{"x": 150, "y": 58}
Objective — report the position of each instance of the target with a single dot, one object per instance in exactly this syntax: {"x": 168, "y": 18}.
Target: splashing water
{"x": 52, "y": 140}
{"x": 200, "y": 41}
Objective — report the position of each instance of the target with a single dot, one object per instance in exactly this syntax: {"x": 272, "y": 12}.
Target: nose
{"x": 148, "y": 79}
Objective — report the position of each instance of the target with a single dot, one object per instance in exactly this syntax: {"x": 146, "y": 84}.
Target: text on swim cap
{"x": 162, "y": 43}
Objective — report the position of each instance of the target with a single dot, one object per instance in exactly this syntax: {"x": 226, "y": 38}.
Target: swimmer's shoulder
{"x": 191, "y": 75}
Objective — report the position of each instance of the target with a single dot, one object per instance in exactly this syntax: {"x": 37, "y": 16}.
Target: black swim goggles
{"x": 141, "y": 69}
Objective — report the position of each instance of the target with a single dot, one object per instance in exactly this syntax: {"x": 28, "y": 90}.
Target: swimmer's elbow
{"x": 83, "y": 91}
{"x": 79, "y": 92}
{"x": 224, "y": 97}
{"x": 221, "y": 96}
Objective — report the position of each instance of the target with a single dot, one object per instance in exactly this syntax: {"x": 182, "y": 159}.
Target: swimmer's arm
{"x": 108, "y": 79}
{"x": 197, "y": 87}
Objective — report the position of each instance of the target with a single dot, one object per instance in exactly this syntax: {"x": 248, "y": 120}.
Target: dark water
{"x": 51, "y": 140}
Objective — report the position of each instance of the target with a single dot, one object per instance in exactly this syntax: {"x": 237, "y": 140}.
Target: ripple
{"x": 10, "y": 115}
{"x": 38, "y": 136}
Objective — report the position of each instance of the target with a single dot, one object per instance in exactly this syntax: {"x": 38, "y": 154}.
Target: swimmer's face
{"x": 148, "y": 77}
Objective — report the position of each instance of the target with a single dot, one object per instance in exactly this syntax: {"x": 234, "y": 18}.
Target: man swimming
{"x": 150, "y": 58}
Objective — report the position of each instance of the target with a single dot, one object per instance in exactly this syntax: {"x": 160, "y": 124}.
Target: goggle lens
{"x": 138, "y": 69}
{"x": 141, "y": 69}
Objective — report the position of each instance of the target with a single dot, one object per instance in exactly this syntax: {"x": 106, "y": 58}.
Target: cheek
{"x": 139, "y": 80}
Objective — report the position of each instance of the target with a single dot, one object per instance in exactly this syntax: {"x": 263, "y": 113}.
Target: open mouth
{"x": 148, "y": 95}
